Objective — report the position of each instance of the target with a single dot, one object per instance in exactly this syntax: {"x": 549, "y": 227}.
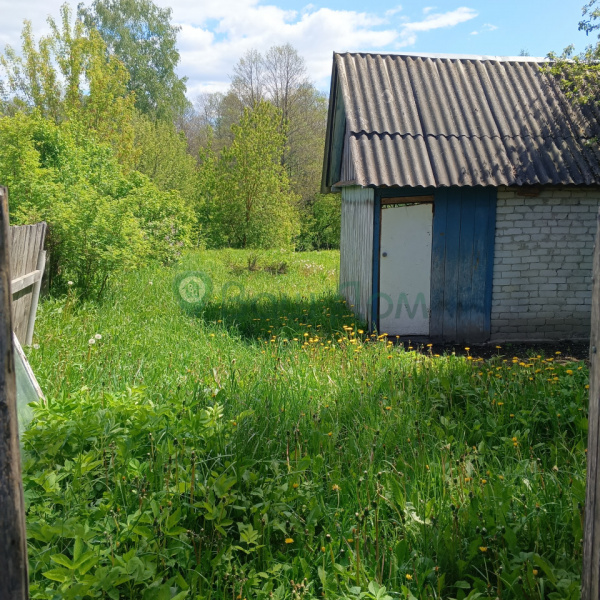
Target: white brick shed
{"x": 542, "y": 287}
{"x": 470, "y": 188}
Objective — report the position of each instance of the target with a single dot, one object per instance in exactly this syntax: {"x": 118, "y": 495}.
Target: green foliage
{"x": 69, "y": 76}
{"x": 251, "y": 204}
{"x": 101, "y": 220}
{"x": 579, "y": 75}
{"x": 161, "y": 154}
{"x": 140, "y": 35}
{"x": 318, "y": 454}
{"x": 321, "y": 223}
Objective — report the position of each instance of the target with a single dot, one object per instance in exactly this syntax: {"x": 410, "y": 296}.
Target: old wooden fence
{"x": 27, "y": 261}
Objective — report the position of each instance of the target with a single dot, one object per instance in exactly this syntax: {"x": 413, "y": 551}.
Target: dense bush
{"x": 102, "y": 219}
{"x": 321, "y": 223}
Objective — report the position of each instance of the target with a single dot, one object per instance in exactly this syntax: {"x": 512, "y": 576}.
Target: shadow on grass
{"x": 263, "y": 315}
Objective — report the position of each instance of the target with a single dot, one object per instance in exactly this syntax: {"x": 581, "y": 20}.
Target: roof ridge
{"x": 450, "y": 56}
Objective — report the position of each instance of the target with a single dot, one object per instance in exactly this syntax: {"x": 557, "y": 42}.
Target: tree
{"x": 280, "y": 77}
{"x": 248, "y": 79}
{"x": 140, "y": 34}
{"x": 253, "y": 205}
{"x": 579, "y": 76}
{"x": 68, "y": 76}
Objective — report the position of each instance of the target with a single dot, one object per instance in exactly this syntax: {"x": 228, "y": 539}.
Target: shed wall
{"x": 356, "y": 249}
{"x": 542, "y": 285}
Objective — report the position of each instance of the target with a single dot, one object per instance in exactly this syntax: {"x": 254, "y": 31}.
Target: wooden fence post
{"x": 13, "y": 542}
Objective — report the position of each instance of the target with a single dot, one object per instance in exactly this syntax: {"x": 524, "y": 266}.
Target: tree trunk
{"x": 13, "y": 543}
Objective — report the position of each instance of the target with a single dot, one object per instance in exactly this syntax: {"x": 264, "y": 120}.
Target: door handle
{"x": 384, "y": 254}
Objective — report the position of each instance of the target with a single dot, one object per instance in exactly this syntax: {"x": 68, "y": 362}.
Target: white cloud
{"x": 216, "y": 33}
{"x": 438, "y": 20}
{"x": 393, "y": 11}
{"x": 408, "y": 33}
{"x": 485, "y": 27}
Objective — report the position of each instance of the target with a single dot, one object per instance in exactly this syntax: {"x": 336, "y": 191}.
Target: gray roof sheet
{"x": 435, "y": 121}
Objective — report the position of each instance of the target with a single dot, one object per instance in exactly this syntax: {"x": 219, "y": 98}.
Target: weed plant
{"x": 267, "y": 446}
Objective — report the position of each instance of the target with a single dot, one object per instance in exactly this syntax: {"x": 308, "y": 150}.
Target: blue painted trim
{"x": 438, "y": 263}
{"x": 468, "y": 300}
{"x": 451, "y": 289}
{"x": 480, "y": 265}
{"x": 376, "y": 252}
{"x": 491, "y": 239}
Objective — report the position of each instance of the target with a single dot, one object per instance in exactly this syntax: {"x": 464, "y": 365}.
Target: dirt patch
{"x": 578, "y": 350}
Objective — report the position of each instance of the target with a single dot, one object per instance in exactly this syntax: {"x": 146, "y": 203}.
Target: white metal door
{"x": 405, "y": 269}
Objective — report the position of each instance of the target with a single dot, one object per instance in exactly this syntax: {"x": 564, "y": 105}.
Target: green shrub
{"x": 101, "y": 218}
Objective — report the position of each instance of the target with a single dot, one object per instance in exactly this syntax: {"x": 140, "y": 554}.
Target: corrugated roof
{"x": 441, "y": 121}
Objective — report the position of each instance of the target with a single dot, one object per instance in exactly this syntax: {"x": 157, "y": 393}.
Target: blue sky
{"x": 215, "y": 33}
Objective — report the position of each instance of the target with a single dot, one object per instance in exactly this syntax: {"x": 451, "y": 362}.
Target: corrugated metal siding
{"x": 420, "y": 121}
{"x": 356, "y": 249}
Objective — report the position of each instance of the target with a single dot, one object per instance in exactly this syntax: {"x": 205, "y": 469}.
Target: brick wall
{"x": 543, "y": 264}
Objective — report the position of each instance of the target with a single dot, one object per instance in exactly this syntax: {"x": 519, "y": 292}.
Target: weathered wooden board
{"x": 27, "y": 243}
{"x": 13, "y": 543}
{"x": 462, "y": 263}
{"x": 590, "y": 579}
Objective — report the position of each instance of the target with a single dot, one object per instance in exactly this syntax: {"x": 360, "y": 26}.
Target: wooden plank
{"x": 481, "y": 259}
{"x": 35, "y": 296}
{"x": 465, "y": 299}
{"x": 438, "y": 261}
{"x": 25, "y": 281}
{"x": 451, "y": 265}
{"x": 489, "y": 268}
{"x": 590, "y": 579}
{"x": 13, "y": 543}
{"x": 406, "y": 200}
{"x": 28, "y": 241}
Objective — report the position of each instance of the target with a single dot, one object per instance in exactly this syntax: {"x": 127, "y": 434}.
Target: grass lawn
{"x": 264, "y": 446}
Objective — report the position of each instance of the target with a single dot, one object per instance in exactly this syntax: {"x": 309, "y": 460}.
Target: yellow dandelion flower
{"x": 295, "y": 485}
{"x": 408, "y": 577}
{"x": 569, "y": 372}
{"x": 322, "y": 548}
{"x": 483, "y": 548}
{"x": 289, "y": 540}
{"x": 335, "y": 487}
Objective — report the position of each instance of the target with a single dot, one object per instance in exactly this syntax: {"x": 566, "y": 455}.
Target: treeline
{"x": 98, "y": 139}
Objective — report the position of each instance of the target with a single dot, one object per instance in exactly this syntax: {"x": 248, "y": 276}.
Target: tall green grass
{"x": 272, "y": 448}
